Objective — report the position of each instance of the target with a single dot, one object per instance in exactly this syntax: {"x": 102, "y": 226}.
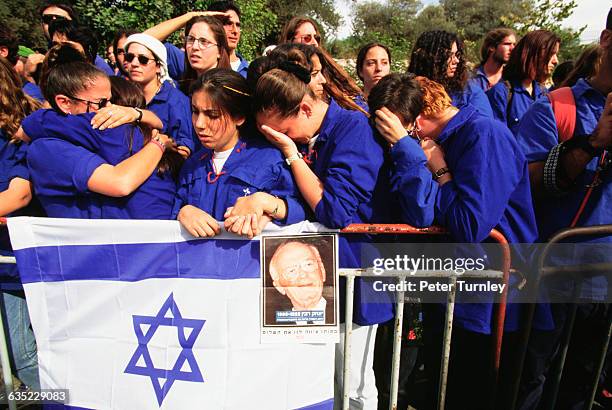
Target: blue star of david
{"x": 168, "y": 315}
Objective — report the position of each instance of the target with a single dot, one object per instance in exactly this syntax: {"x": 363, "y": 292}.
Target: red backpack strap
{"x": 564, "y": 108}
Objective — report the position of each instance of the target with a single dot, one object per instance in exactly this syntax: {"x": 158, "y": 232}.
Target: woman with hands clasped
{"x": 236, "y": 175}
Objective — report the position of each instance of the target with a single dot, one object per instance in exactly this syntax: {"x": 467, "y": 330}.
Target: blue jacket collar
{"x": 462, "y": 116}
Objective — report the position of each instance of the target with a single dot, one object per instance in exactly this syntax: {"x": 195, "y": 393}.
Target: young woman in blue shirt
{"x": 82, "y": 171}
{"x": 146, "y": 61}
{"x": 337, "y": 164}
{"x": 531, "y": 63}
{"x": 235, "y": 169}
{"x": 478, "y": 181}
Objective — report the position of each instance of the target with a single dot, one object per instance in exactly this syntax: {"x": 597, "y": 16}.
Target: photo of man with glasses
{"x": 299, "y": 281}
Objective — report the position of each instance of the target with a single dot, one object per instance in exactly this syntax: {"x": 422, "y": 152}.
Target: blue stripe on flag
{"x": 207, "y": 259}
{"x": 324, "y": 405}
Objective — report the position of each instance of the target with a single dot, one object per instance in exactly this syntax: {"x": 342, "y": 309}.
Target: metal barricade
{"x": 557, "y": 370}
{"x": 350, "y": 275}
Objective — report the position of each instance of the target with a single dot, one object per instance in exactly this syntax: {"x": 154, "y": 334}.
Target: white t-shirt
{"x": 219, "y": 158}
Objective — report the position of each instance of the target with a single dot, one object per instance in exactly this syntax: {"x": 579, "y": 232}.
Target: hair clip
{"x": 297, "y": 70}
{"x": 237, "y": 91}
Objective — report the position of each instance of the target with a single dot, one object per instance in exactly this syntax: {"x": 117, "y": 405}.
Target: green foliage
{"x": 257, "y": 24}
{"x": 22, "y": 17}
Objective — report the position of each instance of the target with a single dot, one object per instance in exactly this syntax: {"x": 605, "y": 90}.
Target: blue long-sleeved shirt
{"x": 510, "y": 110}
{"x": 490, "y": 189}
{"x": 474, "y": 96}
{"x": 537, "y": 134}
{"x": 174, "y": 110}
{"x": 253, "y": 166}
{"x": 64, "y": 153}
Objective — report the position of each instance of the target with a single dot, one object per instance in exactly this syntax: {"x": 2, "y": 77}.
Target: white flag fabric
{"x": 138, "y": 315}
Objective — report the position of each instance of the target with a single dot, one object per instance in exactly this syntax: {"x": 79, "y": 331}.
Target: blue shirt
{"x": 537, "y": 135}
{"x": 480, "y": 79}
{"x": 490, "y": 189}
{"x": 243, "y": 68}
{"x": 348, "y": 160}
{"x": 33, "y": 91}
{"x": 175, "y": 60}
{"x": 253, "y": 166}
{"x": 474, "y": 96}
{"x": 511, "y": 112}
{"x": 64, "y": 153}
{"x": 174, "y": 110}
{"x": 411, "y": 183}
{"x": 103, "y": 65}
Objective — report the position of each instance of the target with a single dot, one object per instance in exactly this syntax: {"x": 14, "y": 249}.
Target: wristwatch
{"x": 440, "y": 172}
{"x": 139, "y": 111}
{"x": 293, "y": 157}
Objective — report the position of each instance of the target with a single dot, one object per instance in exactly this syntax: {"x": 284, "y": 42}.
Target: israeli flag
{"x": 138, "y": 315}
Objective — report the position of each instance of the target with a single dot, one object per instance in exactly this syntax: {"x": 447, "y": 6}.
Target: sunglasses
{"x": 144, "y": 60}
{"x": 100, "y": 104}
{"x": 48, "y": 18}
{"x": 204, "y": 42}
{"x": 307, "y": 38}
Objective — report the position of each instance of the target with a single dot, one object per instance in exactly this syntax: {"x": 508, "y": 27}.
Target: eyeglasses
{"x": 204, "y": 42}
{"x": 120, "y": 51}
{"x": 144, "y": 60}
{"x": 307, "y": 38}
{"x": 48, "y": 18}
{"x": 292, "y": 272}
{"x": 100, "y": 104}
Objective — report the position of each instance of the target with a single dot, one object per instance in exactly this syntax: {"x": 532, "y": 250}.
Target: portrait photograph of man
{"x": 299, "y": 280}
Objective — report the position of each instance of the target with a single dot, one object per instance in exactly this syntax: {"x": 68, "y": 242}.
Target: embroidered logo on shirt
{"x": 246, "y": 191}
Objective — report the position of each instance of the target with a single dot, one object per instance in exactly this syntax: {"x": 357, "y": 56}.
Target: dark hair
{"x": 219, "y": 32}
{"x": 530, "y": 57}
{"x": 224, "y": 6}
{"x": 58, "y": 55}
{"x": 493, "y": 39}
{"x": 587, "y": 65}
{"x": 280, "y": 90}
{"x": 119, "y": 34}
{"x": 9, "y": 40}
{"x": 79, "y": 34}
{"x": 69, "y": 79}
{"x": 288, "y": 33}
{"x": 429, "y": 58}
{"x": 67, "y": 7}
{"x": 339, "y": 85}
{"x": 226, "y": 89}
{"x": 400, "y": 93}
{"x": 362, "y": 54}
{"x": 128, "y": 94}
{"x": 609, "y": 20}
{"x": 561, "y": 72}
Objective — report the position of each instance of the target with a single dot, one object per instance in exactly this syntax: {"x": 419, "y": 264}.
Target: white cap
{"x": 156, "y": 47}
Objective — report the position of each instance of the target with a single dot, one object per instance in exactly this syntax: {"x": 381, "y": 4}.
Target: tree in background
{"x": 22, "y": 17}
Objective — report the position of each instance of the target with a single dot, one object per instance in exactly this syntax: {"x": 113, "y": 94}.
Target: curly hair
{"x": 430, "y": 55}
{"x": 15, "y": 105}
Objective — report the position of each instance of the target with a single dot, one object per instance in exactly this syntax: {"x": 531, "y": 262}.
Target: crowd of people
{"x": 198, "y": 134}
